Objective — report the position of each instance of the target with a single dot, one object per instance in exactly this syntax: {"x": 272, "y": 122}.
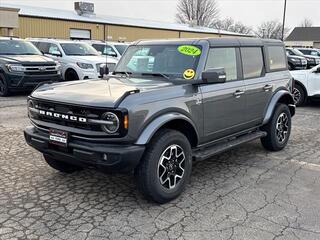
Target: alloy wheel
{"x": 296, "y": 95}
{"x": 171, "y": 166}
{"x": 282, "y": 127}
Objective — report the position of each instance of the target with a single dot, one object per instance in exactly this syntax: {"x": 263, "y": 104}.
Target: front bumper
{"x": 18, "y": 81}
{"x": 106, "y": 157}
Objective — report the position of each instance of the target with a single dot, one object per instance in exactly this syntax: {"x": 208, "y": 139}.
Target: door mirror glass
{"x": 214, "y": 75}
{"x": 56, "y": 53}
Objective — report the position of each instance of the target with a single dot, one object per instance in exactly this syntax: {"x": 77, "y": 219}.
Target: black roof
{"x": 305, "y": 34}
{"x": 215, "y": 42}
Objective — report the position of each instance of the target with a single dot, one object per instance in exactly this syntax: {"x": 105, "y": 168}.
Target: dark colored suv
{"x": 311, "y": 60}
{"x": 296, "y": 62}
{"x": 23, "y": 67}
{"x": 168, "y": 103}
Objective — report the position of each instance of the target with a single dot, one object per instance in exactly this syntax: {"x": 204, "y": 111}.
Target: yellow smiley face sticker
{"x": 189, "y": 74}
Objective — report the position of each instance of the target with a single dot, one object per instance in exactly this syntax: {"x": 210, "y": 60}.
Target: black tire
{"x": 4, "y": 89}
{"x": 60, "y": 166}
{"x": 299, "y": 95}
{"x": 151, "y": 172}
{"x": 291, "y": 67}
{"x": 278, "y": 133}
{"x": 71, "y": 75}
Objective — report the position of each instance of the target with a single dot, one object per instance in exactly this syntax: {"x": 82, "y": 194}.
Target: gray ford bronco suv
{"x": 168, "y": 104}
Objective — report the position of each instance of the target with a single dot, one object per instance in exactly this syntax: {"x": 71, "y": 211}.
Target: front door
{"x": 224, "y": 104}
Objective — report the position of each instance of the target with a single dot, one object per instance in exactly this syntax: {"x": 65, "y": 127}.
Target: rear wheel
{"x": 166, "y": 166}
{"x": 71, "y": 75}
{"x": 4, "y": 89}
{"x": 278, "y": 129}
{"x": 299, "y": 95}
{"x": 61, "y": 166}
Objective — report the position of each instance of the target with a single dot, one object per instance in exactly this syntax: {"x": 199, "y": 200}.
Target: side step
{"x": 202, "y": 154}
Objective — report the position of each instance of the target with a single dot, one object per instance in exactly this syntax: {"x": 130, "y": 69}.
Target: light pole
{"x": 284, "y": 18}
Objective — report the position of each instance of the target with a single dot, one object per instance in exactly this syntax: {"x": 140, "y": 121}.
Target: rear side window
{"x": 277, "y": 59}
{"x": 224, "y": 58}
{"x": 252, "y": 61}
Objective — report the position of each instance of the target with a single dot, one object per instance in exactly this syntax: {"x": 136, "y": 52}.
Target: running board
{"x": 202, "y": 154}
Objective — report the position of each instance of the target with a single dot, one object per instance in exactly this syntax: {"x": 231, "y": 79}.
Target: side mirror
{"x": 56, "y": 53}
{"x": 317, "y": 69}
{"x": 214, "y": 75}
{"x": 112, "y": 54}
{"x": 103, "y": 70}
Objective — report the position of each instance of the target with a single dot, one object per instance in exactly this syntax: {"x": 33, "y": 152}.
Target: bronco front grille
{"x": 70, "y": 110}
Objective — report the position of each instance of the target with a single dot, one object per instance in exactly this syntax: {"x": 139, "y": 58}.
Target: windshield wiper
{"x": 156, "y": 75}
{"x": 123, "y": 72}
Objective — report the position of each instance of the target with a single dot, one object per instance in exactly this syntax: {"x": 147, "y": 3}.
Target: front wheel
{"x": 166, "y": 166}
{"x": 299, "y": 95}
{"x": 4, "y": 89}
{"x": 278, "y": 129}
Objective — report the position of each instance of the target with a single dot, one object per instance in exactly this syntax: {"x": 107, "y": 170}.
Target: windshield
{"x": 78, "y": 49}
{"x": 17, "y": 47}
{"x": 297, "y": 52}
{"x": 168, "y": 61}
{"x": 121, "y": 48}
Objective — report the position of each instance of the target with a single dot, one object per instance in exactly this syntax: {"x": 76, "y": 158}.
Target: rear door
{"x": 258, "y": 86}
{"x": 224, "y": 104}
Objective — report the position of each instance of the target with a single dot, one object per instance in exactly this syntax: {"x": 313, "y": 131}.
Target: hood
{"x": 26, "y": 59}
{"x": 94, "y": 59}
{"x": 311, "y": 56}
{"x": 296, "y": 57}
{"x": 98, "y": 93}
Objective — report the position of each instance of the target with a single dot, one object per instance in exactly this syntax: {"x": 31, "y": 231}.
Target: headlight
{"x": 294, "y": 60}
{"x": 113, "y": 122}
{"x": 85, "y": 65}
{"x": 30, "y": 106}
{"x": 15, "y": 68}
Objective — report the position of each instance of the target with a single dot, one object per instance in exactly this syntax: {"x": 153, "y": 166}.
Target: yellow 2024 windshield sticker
{"x": 189, "y": 74}
{"x": 189, "y": 50}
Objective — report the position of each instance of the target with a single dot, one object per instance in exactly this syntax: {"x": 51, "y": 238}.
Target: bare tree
{"x": 228, "y": 24}
{"x": 271, "y": 29}
{"x": 306, "y": 23}
{"x": 197, "y": 12}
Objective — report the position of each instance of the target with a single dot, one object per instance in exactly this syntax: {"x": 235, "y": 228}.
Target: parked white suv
{"x": 111, "y": 49}
{"x": 307, "y": 84}
{"x": 78, "y": 60}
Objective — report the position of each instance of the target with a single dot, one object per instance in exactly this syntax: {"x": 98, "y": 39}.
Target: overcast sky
{"x": 250, "y": 12}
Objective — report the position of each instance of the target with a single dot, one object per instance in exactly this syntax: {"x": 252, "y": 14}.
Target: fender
{"x": 157, "y": 123}
{"x": 275, "y": 99}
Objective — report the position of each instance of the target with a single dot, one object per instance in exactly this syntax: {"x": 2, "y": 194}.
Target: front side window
{"x": 104, "y": 49}
{"x": 78, "y": 49}
{"x": 121, "y": 48}
{"x": 277, "y": 58}
{"x": 224, "y": 58}
{"x": 173, "y": 61}
{"x": 53, "y": 49}
{"x": 252, "y": 61}
{"x": 17, "y": 47}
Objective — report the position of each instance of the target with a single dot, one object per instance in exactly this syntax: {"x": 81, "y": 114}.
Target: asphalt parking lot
{"x": 246, "y": 193}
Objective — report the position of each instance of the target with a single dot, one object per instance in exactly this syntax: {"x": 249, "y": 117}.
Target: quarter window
{"x": 252, "y": 60}
{"x": 277, "y": 59}
{"x": 224, "y": 58}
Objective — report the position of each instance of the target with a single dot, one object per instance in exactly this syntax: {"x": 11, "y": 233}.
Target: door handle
{"x": 267, "y": 87}
{"x": 238, "y": 93}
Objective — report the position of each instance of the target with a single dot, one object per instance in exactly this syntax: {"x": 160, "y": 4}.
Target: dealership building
{"x": 304, "y": 37}
{"x": 82, "y": 23}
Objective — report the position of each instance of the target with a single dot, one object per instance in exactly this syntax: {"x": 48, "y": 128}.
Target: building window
{"x": 80, "y": 34}
{"x": 252, "y": 61}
